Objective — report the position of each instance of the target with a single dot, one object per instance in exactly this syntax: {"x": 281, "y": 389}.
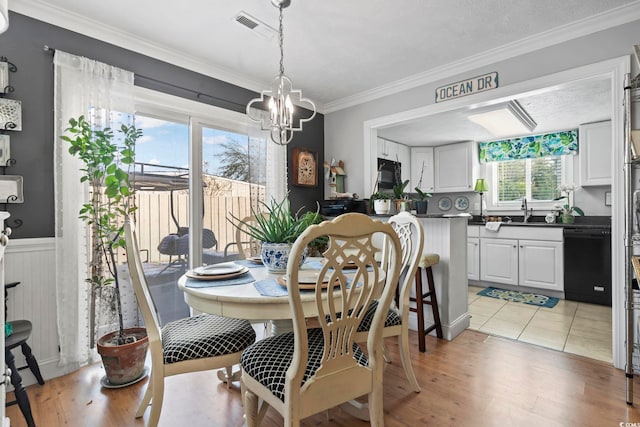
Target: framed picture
{"x": 305, "y": 167}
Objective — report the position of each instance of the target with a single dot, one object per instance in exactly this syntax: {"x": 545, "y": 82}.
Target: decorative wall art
{"x": 305, "y": 167}
{"x": 10, "y": 114}
{"x": 11, "y": 189}
{"x": 5, "y": 148}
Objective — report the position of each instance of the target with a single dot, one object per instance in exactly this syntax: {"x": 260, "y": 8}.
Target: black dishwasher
{"x": 587, "y": 265}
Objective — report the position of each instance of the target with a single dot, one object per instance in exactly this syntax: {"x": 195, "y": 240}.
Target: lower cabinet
{"x": 499, "y": 261}
{"x": 541, "y": 264}
{"x": 518, "y": 259}
{"x": 473, "y": 258}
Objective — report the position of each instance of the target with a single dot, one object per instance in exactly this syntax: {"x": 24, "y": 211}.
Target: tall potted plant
{"x": 277, "y": 228}
{"x": 124, "y": 350}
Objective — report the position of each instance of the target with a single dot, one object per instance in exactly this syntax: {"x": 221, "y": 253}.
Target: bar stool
{"x": 426, "y": 298}
{"x": 20, "y": 333}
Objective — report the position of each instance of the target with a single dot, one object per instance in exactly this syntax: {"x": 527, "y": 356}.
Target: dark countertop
{"x": 580, "y": 222}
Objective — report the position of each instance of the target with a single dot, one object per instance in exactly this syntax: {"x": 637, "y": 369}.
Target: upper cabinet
{"x": 454, "y": 167}
{"x": 595, "y": 153}
{"x": 422, "y": 166}
{"x": 387, "y": 149}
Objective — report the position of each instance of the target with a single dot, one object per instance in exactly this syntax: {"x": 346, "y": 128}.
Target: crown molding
{"x": 74, "y": 22}
{"x": 95, "y": 29}
{"x": 619, "y": 16}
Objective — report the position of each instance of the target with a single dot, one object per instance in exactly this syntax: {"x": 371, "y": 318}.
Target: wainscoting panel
{"x": 32, "y": 263}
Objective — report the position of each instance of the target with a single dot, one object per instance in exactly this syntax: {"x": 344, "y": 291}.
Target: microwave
{"x": 389, "y": 174}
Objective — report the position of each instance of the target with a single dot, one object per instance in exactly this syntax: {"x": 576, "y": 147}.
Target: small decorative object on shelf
{"x": 5, "y": 68}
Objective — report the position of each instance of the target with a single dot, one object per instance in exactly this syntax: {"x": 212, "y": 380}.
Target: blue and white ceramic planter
{"x": 276, "y": 255}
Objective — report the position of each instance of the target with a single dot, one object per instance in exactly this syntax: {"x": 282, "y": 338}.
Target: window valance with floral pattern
{"x": 530, "y": 147}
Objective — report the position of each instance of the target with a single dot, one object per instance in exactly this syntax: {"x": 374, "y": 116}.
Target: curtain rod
{"x": 198, "y": 95}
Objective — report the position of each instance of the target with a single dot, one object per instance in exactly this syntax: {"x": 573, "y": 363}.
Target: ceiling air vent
{"x": 256, "y": 26}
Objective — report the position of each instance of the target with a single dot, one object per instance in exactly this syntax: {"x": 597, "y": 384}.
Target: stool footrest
{"x": 427, "y": 298}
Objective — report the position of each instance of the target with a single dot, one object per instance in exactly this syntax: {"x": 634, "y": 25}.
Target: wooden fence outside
{"x": 154, "y": 221}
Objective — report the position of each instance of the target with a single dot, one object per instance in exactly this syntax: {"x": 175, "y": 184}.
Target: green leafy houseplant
{"x": 421, "y": 195}
{"x": 398, "y": 190}
{"x": 274, "y": 223}
{"x": 110, "y": 201}
{"x": 379, "y": 195}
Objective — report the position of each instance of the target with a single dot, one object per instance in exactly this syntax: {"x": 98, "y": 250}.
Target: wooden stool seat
{"x": 426, "y": 298}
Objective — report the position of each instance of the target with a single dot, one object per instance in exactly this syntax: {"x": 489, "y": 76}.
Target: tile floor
{"x": 572, "y": 327}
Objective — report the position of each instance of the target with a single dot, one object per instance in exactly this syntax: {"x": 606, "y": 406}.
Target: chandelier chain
{"x": 281, "y": 44}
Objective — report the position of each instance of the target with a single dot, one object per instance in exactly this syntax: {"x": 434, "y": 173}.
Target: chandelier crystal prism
{"x": 281, "y": 122}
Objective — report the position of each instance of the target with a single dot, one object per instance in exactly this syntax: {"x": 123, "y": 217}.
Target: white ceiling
{"x": 338, "y": 52}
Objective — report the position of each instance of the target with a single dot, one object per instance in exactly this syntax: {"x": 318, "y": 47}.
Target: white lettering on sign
{"x": 467, "y": 87}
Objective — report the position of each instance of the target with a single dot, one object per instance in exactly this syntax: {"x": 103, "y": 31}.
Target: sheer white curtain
{"x": 276, "y": 161}
{"x": 95, "y": 90}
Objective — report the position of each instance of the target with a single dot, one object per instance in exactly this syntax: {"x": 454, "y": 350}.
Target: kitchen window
{"x": 536, "y": 179}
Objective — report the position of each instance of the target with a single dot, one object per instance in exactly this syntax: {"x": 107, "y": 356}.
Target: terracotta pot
{"x": 124, "y": 363}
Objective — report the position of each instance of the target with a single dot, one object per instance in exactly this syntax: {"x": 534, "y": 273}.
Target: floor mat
{"x": 523, "y": 297}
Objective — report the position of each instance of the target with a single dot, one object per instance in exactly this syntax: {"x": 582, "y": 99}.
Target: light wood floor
{"x": 475, "y": 380}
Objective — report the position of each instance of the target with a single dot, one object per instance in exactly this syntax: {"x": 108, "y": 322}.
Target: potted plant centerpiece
{"x": 277, "y": 228}
{"x": 124, "y": 350}
{"x": 567, "y": 210}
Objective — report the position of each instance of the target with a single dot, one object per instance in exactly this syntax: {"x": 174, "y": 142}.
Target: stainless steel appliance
{"x": 389, "y": 174}
{"x": 587, "y": 265}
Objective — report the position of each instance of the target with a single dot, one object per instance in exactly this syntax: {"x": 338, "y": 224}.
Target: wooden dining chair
{"x": 246, "y": 246}
{"x": 187, "y": 345}
{"x": 411, "y": 235}
{"x": 307, "y": 371}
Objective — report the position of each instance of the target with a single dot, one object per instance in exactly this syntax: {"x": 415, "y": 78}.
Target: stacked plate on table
{"x": 224, "y": 270}
{"x": 306, "y": 280}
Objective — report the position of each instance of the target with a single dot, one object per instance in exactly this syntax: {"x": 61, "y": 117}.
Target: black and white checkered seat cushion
{"x": 205, "y": 336}
{"x": 267, "y": 360}
{"x": 393, "y": 317}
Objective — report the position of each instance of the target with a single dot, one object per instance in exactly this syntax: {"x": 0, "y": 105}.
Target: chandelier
{"x": 282, "y": 98}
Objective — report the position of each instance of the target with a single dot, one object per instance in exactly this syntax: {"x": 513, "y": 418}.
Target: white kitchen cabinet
{"x": 422, "y": 165}
{"x": 387, "y": 149}
{"x": 473, "y": 258}
{"x": 523, "y": 256}
{"x": 404, "y": 157}
{"x": 595, "y": 153}
{"x": 454, "y": 167}
{"x": 499, "y": 261}
{"x": 540, "y": 264}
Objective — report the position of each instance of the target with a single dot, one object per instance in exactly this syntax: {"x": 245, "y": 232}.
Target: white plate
{"x": 444, "y": 204}
{"x": 216, "y": 269}
{"x": 461, "y": 203}
{"x": 11, "y": 189}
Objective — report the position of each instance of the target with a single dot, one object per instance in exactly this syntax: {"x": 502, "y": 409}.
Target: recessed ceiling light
{"x": 507, "y": 119}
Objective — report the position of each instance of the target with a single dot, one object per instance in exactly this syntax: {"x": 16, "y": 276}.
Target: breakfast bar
{"x": 447, "y": 237}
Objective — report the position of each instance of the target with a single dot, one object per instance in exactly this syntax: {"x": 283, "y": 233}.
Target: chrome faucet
{"x": 527, "y": 213}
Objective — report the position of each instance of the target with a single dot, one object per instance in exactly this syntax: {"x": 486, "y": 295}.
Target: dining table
{"x": 258, "y": 295}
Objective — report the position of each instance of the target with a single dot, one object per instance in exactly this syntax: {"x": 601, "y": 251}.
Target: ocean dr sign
{"x": 467, "y": 87}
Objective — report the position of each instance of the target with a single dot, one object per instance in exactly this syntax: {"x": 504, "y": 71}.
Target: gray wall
{"x": 32, "y": 148}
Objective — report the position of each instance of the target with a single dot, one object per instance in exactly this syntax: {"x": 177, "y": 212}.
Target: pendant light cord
{"x": 281, "y": 44}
